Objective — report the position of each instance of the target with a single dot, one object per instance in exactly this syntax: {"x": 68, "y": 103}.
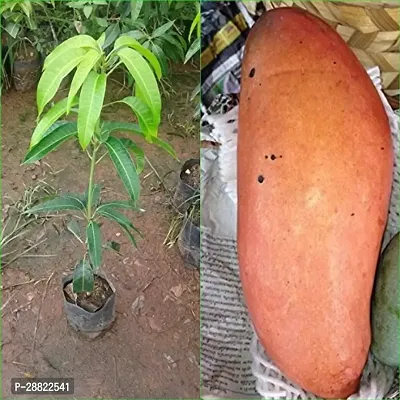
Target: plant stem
{"x": 90, "y": 188}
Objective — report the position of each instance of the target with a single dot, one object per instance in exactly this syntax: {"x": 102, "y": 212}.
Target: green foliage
{"x": 92, "y": 65}
{"x": 83, "y": 279}
{"x": 163, "y": 28}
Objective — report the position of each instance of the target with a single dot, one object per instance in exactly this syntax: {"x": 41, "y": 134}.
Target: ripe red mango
{"x": 314, "y": 179}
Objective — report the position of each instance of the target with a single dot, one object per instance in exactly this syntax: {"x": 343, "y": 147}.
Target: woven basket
{"x": 371, "y": 29}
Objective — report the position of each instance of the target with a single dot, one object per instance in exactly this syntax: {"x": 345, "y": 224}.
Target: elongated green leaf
{"x": 58, "y": 203}
{"x": 51, "y": 141}
{"x": 12, "y": 29}
{"x": 144, "y": 78}
{"x": 83, "y": 278}
{"x": 136, "y": 34}
{"x": 171, "y": 39}
{"x": 181, "y": 39}
{"x": 144, "y": 114}
{"x": 116, "y": 126}
{"x": 165, "y": 146}
{"x": 76, "y": 4}
{"x": 94, "y": 243}
{"x": 137, "y": 151}
{"x": 26, "y": 7}
{"x": 126, "y": 205}
{"x": 96, "y": 189}
{"x": 129, "y": 41}
{"x": 76, "y": 197}
{"x": 174, "y": 54}
{"x": 193, "y": 49}
{"x": 84, "y": 67}
{"x": 49, "y": 119}
{"x": 112, "y": 32}
{"x": 136, "y": 6}
{"x": 101, "y": 40}
{"x": 124, "y": 166}
{"x": 90, "y": 104}
{"x": 157, "y": 50}
{"x": 76, "y": 42}
{"x": 162, "y": 29}
{"x": 52, "y": 77}
{"x": 171, "y": 45}
{"x": 195, "y": 22}
{"x": 121, "y": 219}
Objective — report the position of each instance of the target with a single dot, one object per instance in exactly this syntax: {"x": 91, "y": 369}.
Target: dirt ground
{"x": 152, "y": 350}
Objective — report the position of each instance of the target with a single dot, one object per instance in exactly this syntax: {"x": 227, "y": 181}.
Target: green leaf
{"x": 162, "y": 29}
{"x": 83, "y": 70}
{"x": 51, "y": 140}
{"x": 122, "y": 220}
{"x": 157, "y": 50}
{"x": 195, "y": 22}
{"x": 83, "y": 278}
{"x": 102, "y": 22}
{"x": 136, "y": 34}
{"x": 96, "y": 189}
{"x": 136, "y": 6}
{"x": 57, "y": 203}
{"x": 177, "y": 45}
{"x": 165, "y": 146}
{"x": 94, "y": 243}
{"x": 116, "y": 126}
{"x": 124, "y": 166}
{"x": 144, "y": 78}
{"x": 74, "y": 43}
{"x": 129, "y": 41}
{"x": 112, "y": 33}
{"x": 76, "y": 196}
{"x": 49, "y": 119}
{"x": 87, "y": 10}
{"x": 52, "y": 77}
{"x": 174, "y": 53}
{"x": 90, "y": 105}
{"x": 101, "y": 40}
{"x": 76, "y": 4}
{"x": 12, "y": 29}
{"x": 137, "y": 151}
{"x": 126, "y": 205}
{"x": 193, "y": 49}
{"x": 181, "y": 39}
{"x": 144, "y": 114}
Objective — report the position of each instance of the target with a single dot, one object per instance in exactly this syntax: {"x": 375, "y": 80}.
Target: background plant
{"x": 97, "y": 137}
{"x": 160, "y": 26}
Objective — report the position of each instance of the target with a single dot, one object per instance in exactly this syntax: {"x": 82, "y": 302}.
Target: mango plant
{"x": 95, "y": 135}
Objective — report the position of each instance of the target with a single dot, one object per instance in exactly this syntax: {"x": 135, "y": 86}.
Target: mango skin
{"x": 314, "y": 179}
{"x": 386, "y": 307}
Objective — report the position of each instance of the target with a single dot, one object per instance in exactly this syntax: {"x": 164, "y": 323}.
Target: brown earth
{"x": 152, "y": 350}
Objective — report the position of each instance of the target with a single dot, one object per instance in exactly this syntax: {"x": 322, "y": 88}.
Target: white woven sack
{"x": 271, "y": 383}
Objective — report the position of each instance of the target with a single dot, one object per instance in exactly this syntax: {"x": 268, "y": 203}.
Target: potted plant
{"x": 188, "y": 185}
{"x": 18, "y": 22}
{"x": 89, "y": 296}
{"x": 189, "y": 236}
